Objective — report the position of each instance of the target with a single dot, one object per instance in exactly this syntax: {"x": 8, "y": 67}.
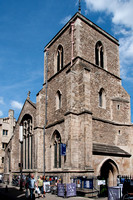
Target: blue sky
{"x": 26, "y": 26}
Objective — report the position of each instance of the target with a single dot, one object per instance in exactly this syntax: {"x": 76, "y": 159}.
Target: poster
{"x": 88, "y": 183}
{"x": 114, "y": 193}
{"x": 71, "y": 190}
{"x": 60, "y": 190}
{"x": 46, "y": 186}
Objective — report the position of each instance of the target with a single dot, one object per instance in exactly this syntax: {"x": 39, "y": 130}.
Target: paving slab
{"x": 8, "y": 192}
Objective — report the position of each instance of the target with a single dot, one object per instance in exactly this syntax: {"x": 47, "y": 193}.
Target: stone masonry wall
{"x": 112, "y": 134}
{"x": 89, "y": 38}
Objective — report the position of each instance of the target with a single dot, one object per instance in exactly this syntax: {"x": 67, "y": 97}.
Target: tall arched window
{"x": 27, "y": 141}
{"x": 99, "y": 56}
{"x": 59, "y": 58}
{"x": 57, "y": 153}
{"x": 58, "y": 100}
{"x": 102, "y": 100}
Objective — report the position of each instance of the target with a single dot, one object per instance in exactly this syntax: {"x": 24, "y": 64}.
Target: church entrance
{"x": 109, "y": 173}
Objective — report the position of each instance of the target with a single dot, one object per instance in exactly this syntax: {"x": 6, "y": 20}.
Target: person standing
{"x": 40, "y": 184}
{"x": 31, "y": 184}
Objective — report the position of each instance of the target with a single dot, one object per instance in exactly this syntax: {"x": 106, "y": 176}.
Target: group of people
{"x": 32, "y": 184}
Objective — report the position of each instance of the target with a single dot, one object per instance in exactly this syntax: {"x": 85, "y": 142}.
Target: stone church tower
{"x": 87, "y": 107}
{"x": 82, "y": 105}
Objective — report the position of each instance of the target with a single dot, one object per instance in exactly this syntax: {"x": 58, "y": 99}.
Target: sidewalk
{"x": 13, "y": 193}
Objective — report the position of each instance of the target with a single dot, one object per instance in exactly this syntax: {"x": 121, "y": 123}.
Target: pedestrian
{"x": 27, "y": 187}
{"x": 40, "y": 185}
{"x": 31, "y": 183}
{"x": 44, "y": 180}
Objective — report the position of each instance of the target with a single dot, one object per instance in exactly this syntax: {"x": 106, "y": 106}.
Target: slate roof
{"x": 104, "y": 149}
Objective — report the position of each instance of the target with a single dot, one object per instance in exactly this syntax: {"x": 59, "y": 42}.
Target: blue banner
{"x": 71, "y": 190}
{"x": 63, "y": 149}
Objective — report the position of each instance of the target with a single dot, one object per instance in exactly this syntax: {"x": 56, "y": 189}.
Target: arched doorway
{"x": 109, "y": 173}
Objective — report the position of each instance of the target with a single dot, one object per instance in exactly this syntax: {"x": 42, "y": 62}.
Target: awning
{"x": 104, "y": 149}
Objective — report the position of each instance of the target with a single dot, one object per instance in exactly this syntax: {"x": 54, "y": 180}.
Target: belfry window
{"x": 102, "y": 101}
{"x": 99, "y": 56}
{"x": 59, "y": 58}
{"x": 57, "y": 153}
{"x": 27, "y": 141}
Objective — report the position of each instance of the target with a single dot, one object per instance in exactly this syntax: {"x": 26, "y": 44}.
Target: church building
{"x": 82, "y": 108}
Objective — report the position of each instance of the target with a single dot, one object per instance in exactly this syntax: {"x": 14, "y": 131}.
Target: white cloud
{"x": 1, "y": 113}
{"x": 126, "y": 49}
{"x": 66, "y": 19}
{"x": 119, "y": 29}
{"x": 1, "y": 100}
{"x": 100, "y": 20}
{"x": 121, "y": 10}
{"x": 16, "y": 105}
{"x": 98, "y": 5}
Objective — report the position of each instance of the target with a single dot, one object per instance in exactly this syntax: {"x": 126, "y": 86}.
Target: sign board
{"x": 60, "y": 190}
{"x": 63, "y": 149}
{"x": 131, "y": 182}
{"x": 114, "y": 193}
{"x": 70, "y": 189}
{"x": 88, "y": 183}
{"x": 79, "y": 183}
{"x": 121, "y": 186}
{"x": 101, "y": 182}
{"x": 46, "y": 186}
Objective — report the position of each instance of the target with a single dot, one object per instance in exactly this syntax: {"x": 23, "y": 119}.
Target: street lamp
{"x": 21, "y": 163}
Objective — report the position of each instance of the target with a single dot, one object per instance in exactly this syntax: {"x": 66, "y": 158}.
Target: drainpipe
{"x": 46, "y": 86}
{"x": 72, "y": 41}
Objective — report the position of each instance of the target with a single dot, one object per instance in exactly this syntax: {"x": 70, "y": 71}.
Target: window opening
{"x": 5, "y": 132}
{"x": 118, "y": 107}
{"x": 57, "y": 154}
{"x": 4, "y": 145}
{"x": 2, "y": 159}
{"x": 102, "y": 100}
{"x": 99, "y": 54}
{"x": 58, "y": 100}
{"x": 27, "y": 142}
{"x": 59, "y": 58}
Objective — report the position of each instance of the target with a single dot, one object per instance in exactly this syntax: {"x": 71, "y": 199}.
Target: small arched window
{"x": 57, "y": 153}
{"x": 99, "y": 55}
{"x": 59, "y": 58}
{"x": 102, "y": 100}
{"x": 58, "y": 100}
